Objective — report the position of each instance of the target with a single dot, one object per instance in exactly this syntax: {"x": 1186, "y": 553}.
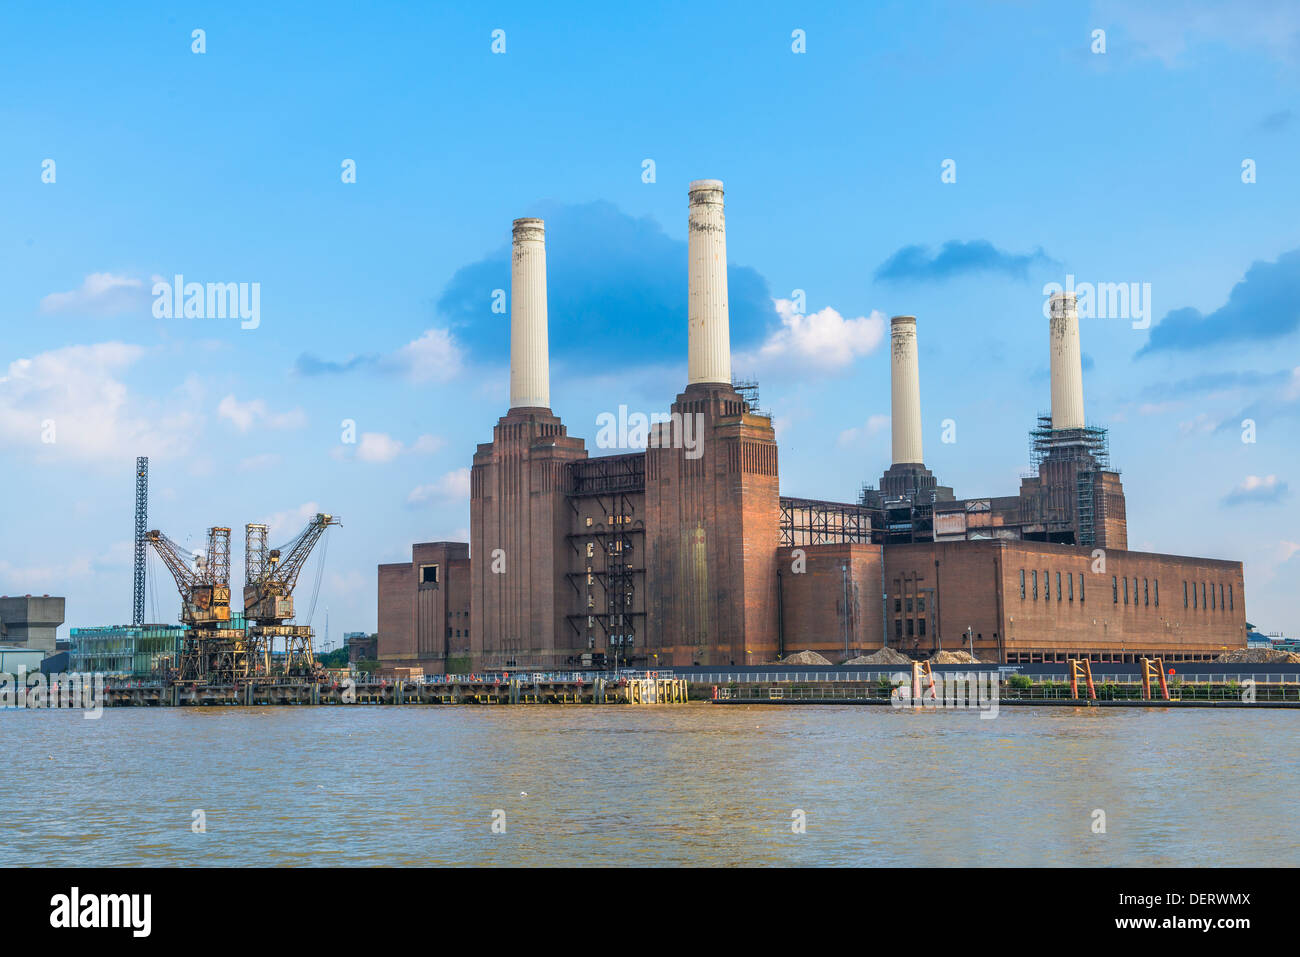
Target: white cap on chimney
{"x": 905, "y": 392}
{"x": 530, "y": 373}
{"x": 1067, "y": 363}
{"x": 708, "y": 326}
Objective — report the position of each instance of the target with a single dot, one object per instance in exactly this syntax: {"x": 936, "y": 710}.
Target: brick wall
{"x": 712, "y": 524}
{"x": 519, "y": 520}
{"x": 813, "y": 599}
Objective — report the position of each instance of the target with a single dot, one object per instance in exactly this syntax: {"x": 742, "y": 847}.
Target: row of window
{"x": 1146, "y": 590}
{"x": 613, "y": 520}
{"x": 915, "y": 627}
{"x": 1064, "y": 587}
{"x": 1207, "y": 591}
{"x": 1209, "y": 596}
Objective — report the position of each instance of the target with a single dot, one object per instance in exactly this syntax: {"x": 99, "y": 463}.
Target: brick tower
{"x": 519, "y": 517}
{"x": 712, "y": 501}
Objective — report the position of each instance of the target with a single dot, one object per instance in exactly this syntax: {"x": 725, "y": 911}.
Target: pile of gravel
{"x": 803, "y": 658}
{"x": 885, "y": 656}
{"x": 1259, "y": 656}
{"x": 953, "y": 658}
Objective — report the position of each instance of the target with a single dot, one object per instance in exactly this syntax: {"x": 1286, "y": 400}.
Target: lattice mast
{"x": 141, "y": 532}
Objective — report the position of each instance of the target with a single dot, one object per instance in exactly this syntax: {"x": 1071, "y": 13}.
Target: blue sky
{"x": 1122, "y": 166}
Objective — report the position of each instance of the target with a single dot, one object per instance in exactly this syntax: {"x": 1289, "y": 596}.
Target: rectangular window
{"x": 920, "y": 627}
{"x": 1022, "y": 583}
{"x": 920, "y": 603}
{"x": 1157, "y": 581}
{"x": 1184, "y": 593}
{"x": 1047, "y": 585}
{"x": 898, "y": 603}
{"x": 1202, "y": 596}
{"x": 1222, "y": 606}
{"x": 898, "y": 628}
{"x": 428, "y": 574}
{"x": 1058, "y": 586}
{"x": 1080, "y": 586}
{"x": 591, "y": 549}
{"x": 909, "y": 606}
{"x": 1146, "y": 592}
{"x": 1126, "y": 589}
{"x": 1069, "y": 579}
{"x": 1214, "y": 605}
{"x": 1114, "y": 589}
{"x": 1035, "y": 584}
{"x": 1194, "y": 605}
{"x": 911, "y": 627}
{"x": 1232, "y": 605}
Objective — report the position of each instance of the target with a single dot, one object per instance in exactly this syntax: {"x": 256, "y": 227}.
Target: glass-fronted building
{"x": 123, "y": 650}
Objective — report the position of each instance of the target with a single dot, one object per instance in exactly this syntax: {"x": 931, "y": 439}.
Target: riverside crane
{"x": 211, "y": 651}
{"x": 269, "y": 579}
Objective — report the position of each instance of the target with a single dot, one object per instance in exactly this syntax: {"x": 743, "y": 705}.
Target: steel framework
{"x": 141, "y": 531}
{"x": 211, "y": 651}
{"x": 811, "y": 522}
{"x": 270, "y": 576}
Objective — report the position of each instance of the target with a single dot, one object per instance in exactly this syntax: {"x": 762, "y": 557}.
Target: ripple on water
{"x": 687, "y": 785}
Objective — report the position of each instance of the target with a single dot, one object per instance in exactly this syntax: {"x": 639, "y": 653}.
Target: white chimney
{"x": 905, "y": 392}
{"x": 1067, "y": 363}
{"x": 530, "y": 374}
{"x": 709, "y": 334}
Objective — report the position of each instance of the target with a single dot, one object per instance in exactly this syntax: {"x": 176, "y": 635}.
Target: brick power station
{"x": 686, "y": 553}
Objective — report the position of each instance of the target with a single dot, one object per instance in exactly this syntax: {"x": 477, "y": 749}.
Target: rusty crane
{"x": 211, "y": 651}
{"x": 270, "y": 575}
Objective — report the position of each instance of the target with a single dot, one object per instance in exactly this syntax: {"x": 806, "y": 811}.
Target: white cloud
{"x": 244, "y": 415}
{"x": 452, "y": 487}
{"x": 284, "y": 525}
{"x": 1258, "y": 489}
{"x": 823, "y": 340}
{"x": 875, "y": 425}
{"x": 256, "y": 463}
{"x": 427, "y": 444}
{"x": 378, "y": 447}
{"x": 101, "y": 294}
{"x": 1199, "y": 425}
{"x": 434, "y": 357}
{"x": 1166, "y": 29}
{"x": 74, "y": 396}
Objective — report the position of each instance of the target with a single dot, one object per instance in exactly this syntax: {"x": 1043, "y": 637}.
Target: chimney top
{"x": 529, "y": 223}
{"x": 705, "y": 185}
{"x": 903, "y": 321}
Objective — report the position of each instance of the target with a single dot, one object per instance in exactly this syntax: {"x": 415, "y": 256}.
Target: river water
{"x": 692, "y": 784}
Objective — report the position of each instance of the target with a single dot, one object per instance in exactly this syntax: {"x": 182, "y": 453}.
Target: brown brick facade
{"x": 425, "y": 608}
{"x": 520, "y": 520}
{"x": 711, "y": 529}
